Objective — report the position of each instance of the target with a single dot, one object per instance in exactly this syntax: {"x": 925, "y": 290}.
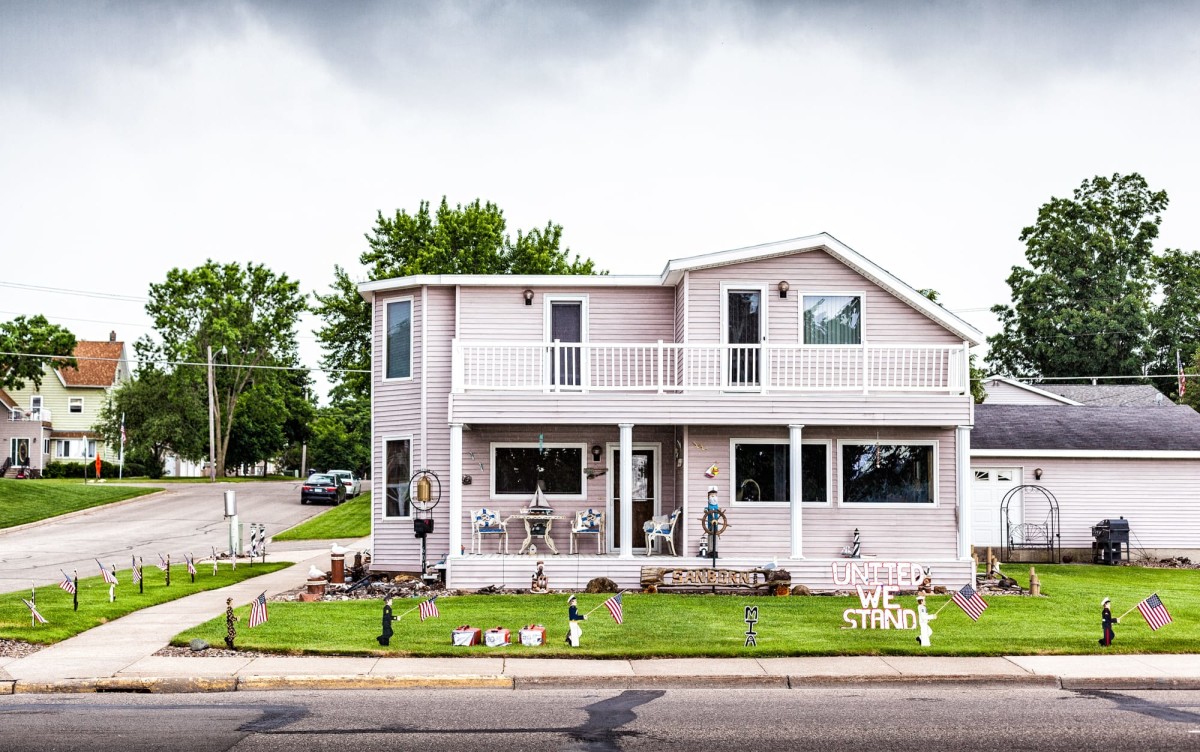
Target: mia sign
{"x": 877, "y": 609}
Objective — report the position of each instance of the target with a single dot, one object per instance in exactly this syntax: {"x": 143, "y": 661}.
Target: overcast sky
{"x": 140, "y": 136}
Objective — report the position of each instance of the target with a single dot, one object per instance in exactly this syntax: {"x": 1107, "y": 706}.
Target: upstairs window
{"x": 398, "y": 347}
{"x": 75, "y": 405}
{"x": 832, "y": 319}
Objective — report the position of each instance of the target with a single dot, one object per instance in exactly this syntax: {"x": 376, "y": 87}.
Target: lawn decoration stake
{"x": 751, "y": 620}
{"x": 230, "y": 624}
{"x": 923, "y": 618}
{"x": 387, "y": 622}
{"x": 141, "y": 575}
{"x": 714, "y": 523}
{"x": 135, "y": 572}
{"x": 112, "y": 587}
{"x": 191, "y": 565}
{"x": 1106, "y": 622}
{"x": 214, "y": 548}
{"x": 168, "y": 570}
{"x": 75, "y": 592}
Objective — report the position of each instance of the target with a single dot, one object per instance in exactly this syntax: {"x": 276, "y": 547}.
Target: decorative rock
{"x": 801, "y": 590}
{"x": 601, "y": 585}
{"x": 939, "y": 589}
{"x": 198, "y": 645}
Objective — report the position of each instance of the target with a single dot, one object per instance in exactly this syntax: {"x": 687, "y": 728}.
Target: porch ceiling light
{"x": 783, "y": 288}
{"x": 529, "y": 297}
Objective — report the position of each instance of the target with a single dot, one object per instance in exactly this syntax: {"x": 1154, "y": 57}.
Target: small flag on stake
{"x": 970, "y": 602}
{"x": 258, "y": 610}
{"x": 107, "y": 575}
{"x": 1154, "y": 612}
{"x": 137, "y": 573}
{"x": 428, "y": 609}
{"x": 214, "y": 561}
{"x": 67, "y": 583}
{"x": 614, "y": 607}
{"x": 191, "y": 565}
{"x": 34, "y": 612}
{"x": 162, "y": 563}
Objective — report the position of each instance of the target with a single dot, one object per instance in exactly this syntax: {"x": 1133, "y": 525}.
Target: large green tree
{"x": 464, "y": 239}
{"x": 27, "y": 344}
{"x": 1083, "y": 307}
{"x": 1176, "y": 320}
{"x": 245, "y": 316}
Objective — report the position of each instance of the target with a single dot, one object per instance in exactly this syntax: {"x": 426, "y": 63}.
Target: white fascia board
{"x": 1032, "y": 389}
{"x": 367, "y": 289}
{"x": 1082, "y": 454}
{"x": 844, "y": 253}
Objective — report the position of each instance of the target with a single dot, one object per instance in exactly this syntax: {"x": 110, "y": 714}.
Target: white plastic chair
{"x": 589, "y": 522}
{"x": 662, "y": 526}
{"x": 487, "y": 522}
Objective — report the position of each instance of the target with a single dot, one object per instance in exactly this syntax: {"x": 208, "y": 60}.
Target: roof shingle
{"x": 96, "y": 364}
{"x": 1067, "y": 427}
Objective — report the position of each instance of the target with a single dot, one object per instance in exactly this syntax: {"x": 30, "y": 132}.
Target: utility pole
{"x": 212, "y": 433}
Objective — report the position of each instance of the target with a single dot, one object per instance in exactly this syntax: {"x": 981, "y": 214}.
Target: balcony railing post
{"x": 555, "y": 359}
{"x": 660, "y": 366}
{"x": 764, "y": 382}
{"x": 866, "y": 367}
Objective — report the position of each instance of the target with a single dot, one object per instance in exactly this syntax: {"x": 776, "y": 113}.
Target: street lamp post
{"x": 212, "y": 433}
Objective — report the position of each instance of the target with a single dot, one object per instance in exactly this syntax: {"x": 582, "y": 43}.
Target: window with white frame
{"x": 762, "y": 471}
{"x": 888, "y": 472}
{"x": 397, "y": 470}
{"x": 517, "y": 469}
{"x": 398, "y": 344}
{"x": 75, "y": 405}
{"x": 832, "y": 319}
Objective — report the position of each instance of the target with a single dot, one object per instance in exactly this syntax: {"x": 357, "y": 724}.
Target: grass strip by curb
{"x": 25, "y": 501}
{"x": 349, "y": 521}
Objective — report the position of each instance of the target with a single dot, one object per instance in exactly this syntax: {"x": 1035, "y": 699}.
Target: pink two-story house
{"x": 817, "y": 393}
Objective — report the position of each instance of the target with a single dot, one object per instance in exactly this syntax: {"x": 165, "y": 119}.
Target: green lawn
{"x": 23, "y": 501}
{"x": 350, "y": 520}
{"x": 1065, "y": 621}
{"x": 55, "y": 604}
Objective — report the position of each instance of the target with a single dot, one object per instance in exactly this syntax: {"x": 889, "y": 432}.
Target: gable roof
{"x": 1026, "y": 388}
{"x": 7, "y": 400}
{"x": 1110, "y": 395}
{"x": 96, "y": 364}
{"x": 673, "y": 272}
{"x": 1066, "y": 427}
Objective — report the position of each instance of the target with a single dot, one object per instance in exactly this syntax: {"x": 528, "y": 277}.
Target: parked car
{"x": 322, "y": 487}
{"x": 352, "y": 483}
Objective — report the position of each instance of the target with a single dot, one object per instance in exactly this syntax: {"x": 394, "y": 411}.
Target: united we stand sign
{"x": 877, "y": 607}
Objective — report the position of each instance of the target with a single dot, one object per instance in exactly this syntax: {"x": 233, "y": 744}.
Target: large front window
{"x": 832, "y": 320}
{"x": 397, "y": 471}
{"x": 762, "y": 471}
{"x": 398, "y": 348}
{"x": 519, "y": 470}
{"x": 888, "y": 473}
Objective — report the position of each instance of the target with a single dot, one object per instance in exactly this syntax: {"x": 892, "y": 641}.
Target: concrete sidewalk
{"x": 119, "y": 656}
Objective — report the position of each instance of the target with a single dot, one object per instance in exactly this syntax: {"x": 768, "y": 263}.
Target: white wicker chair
{"x": 487, "y": 522}
{"x": 588, "y": 522}
{"x": 662, "y": 527}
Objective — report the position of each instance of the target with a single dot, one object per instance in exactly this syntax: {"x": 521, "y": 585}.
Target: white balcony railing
{"x": 37, "y": 415}
{"x": 665, "y": 367}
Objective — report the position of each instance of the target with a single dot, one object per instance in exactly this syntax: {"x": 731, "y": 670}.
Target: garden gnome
{"x": 923, "y": 619}
{"x": 387, "y": 622}
{"x": 574, "y": 632}
{"x": 1106, "y": 622}
{"x": 230, "y": 624}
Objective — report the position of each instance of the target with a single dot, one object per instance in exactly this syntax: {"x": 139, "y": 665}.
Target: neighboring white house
{"x": 1139, "y": 460}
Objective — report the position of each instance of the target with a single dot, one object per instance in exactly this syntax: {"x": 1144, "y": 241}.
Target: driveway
{"x": 184, "y": 518}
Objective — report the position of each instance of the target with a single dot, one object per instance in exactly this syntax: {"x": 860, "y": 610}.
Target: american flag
{"x": 191, "y": 565}
{"x": 258, "y": 610}
{"x": 428, "y": 609}
{"x": 67, "y": 583}
{"x": 33, "y": 610}
{"x": 162, "y": 563}
{"x": 1154, "y": 612}
{"x": 968, "y": 600}
{"x": 1182, "y": 376}
{"x": 613, "y": 605}
{"x": 137, "y": 572}
{"x": 108, "y": 576}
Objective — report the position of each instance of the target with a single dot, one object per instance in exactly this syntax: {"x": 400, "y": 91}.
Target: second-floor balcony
{"x": 675, "y": 368}
{"x": 36, "y": 415}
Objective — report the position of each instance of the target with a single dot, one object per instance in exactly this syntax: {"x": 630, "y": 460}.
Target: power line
{"x": 65, "y": 291}
{"x": 184, "y": 363}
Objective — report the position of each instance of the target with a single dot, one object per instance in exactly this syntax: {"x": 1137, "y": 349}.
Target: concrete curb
{"x": 958, "y": 680}
{"x": 132, "y": 684}
{"x": 650, "y": 682}
{"x": 267, "y": 683}
{"x": 1131, "y": 683}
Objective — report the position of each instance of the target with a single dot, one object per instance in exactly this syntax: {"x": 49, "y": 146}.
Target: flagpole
{"x": 1127, "y": 613}
{"x": 947, "y": 603}
{"x": 121, "y": 472}
{"x": 589, "y": 613}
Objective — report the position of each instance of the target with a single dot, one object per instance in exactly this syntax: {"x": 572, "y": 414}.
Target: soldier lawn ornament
{"x": 574, "y": 632}
{"x": 386, "y": 637}
{"x": 1106, "y": 623}
{"x": 924, "y": 631}
{"x": 230, "y": 624}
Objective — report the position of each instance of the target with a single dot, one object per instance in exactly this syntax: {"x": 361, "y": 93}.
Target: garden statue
{"x": 538, "y": 583}
{"x": 230, "y": 624}
{"x": 923, "y": 619}
{"x": 387, "y": 622}
{"x": 574, "y": 632}
{"x": 1106, "y": 622}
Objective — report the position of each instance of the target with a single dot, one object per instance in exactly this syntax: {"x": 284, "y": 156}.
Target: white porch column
{"x": 626, "y": 490}
{"x": 796, "y": 489}
{"x": 456, "y": 473}
{"x": 962, "y": 456}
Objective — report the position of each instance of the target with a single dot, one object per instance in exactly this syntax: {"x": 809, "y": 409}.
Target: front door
{"x": 645, "y": 496}
{"x": 744, "y": 335}
{"x": 566, "y": 325}
{"x": 987, "y": 491}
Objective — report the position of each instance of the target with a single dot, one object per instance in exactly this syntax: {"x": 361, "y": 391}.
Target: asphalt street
{"x": 183, "y": 518}
{"x": 851, "y": 719}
